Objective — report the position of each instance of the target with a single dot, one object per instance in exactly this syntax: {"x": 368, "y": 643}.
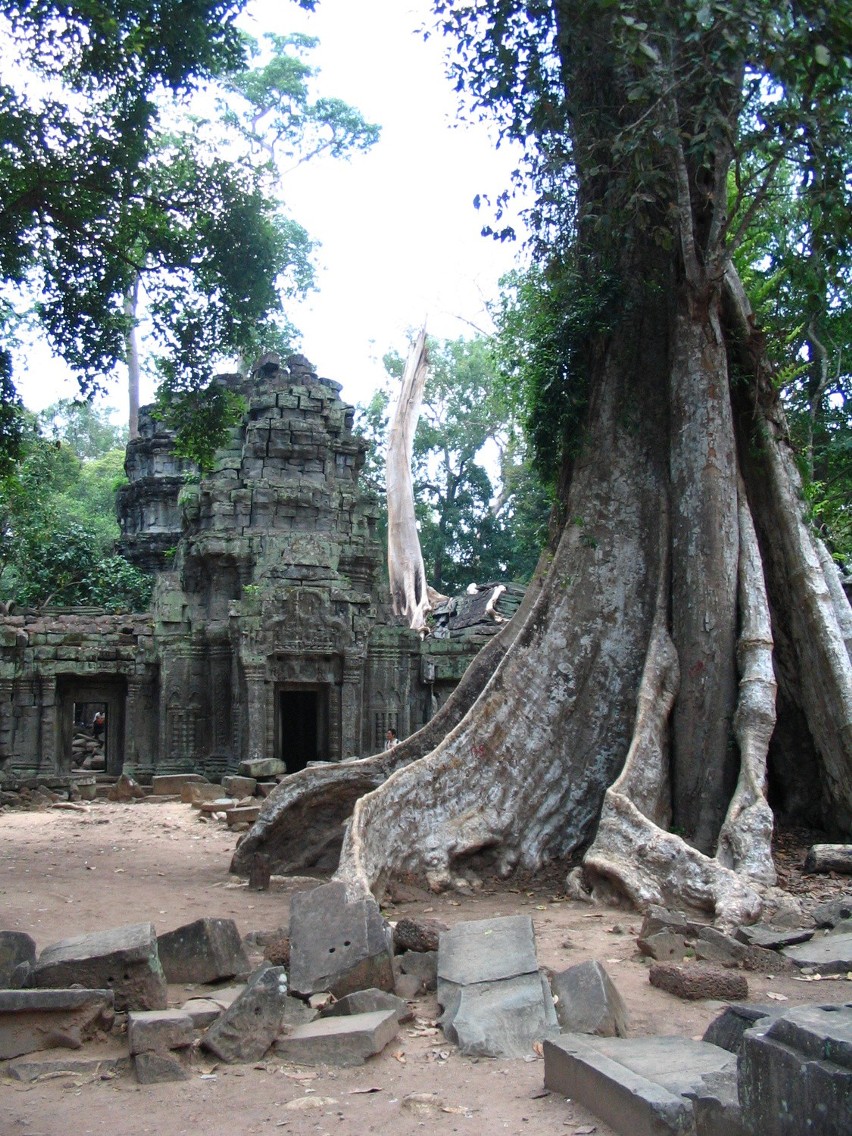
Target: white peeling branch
{"x": 411, "y": 596}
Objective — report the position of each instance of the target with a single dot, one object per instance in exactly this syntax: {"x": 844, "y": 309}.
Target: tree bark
{"x": 632, "y": 709}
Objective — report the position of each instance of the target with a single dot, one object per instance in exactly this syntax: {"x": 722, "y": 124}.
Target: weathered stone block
{"x": 833, "y": 911}
{"x": 122, "y": 959}
{"x": 486, "y": 950}
{"x": 638, "y": 1087}
{"x": 664, "y": 946}
{"x": 196, "y": 792}
{"x": 155, "y": 1068}
{"x": 166, "y": 784}
{"x": 796, "y": 1073}
{"x": 829, "y": 858}
{"x": 206, "y": 950}
{"x": 417, "y": 935}
{"x": 827, "y": 952}
{"x": 773, "y": 938}
{"x": 261, "y": 767}
{"x": 158, "y": 1030}
{"x": 423, "y": 964}
{"x": 368, "y": 1002}
{"x": 495, "y": 1001}
{"x": 588, "y": 1002}
{"x": 344, "y": 1041}
{"x": 16, "y": 948}
{"x": 31, "y": 1020}
{"x": 694, "y": 982}
{"x": 202, "y": 1012}
{"x": 727, "y": 1030}
{"x": 239, "y": 787}
{"x": 337, "y": 944}
{"x": 251, "y": 1023}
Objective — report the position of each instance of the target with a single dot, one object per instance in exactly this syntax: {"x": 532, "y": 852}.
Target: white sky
{"x": 400, "y": 238}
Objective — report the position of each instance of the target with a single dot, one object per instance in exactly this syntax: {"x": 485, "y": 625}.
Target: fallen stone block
{"x": 122, "y": 959}
{"x": 663, "y": 946}
{"x": 337, "y": 944}
{"x": 712, "y": 945}
{"x": 206, "y": 950}
{"x": 156, "y": 1031}
{"x": 696, "y": 981}
{"x": 31, "y": 1020}
{"x": 251, "y": 1023}
{"x": 196, "y": 793}
{"x": 156, "y": 1068}
{"x": 262, "y": 767}
{"x": 662, "y": 919}
{"x": 637, "y": 1086}
{"x": 498, "y": 1019}
{"x": 588, "y": 1002}
{"x": 417, "y": 935}
{"x": 716, "y": 1105}
{"x": 242, "y": 814}
{"x": 345, "y": 1040}
{"x": 239, "y": 787}
{"x": 773, "y": 938}
{"x": 216, "y": 805}
{"x": 486, "y": 950}
{"x": 833, "y": 911}
{"x": 727, "y": 1030}
{"x": 829, "y": 858}
{"x": 168, "y": 784}
{"x": 828, "y": 952}
{"x": 408, "y": 987}
{"x": 203, "y": 1012}
{"x": 16, "y": 948}
{"x": 125, "y": 789}
{"x": 495, "y": 1001}
{"x": 423, "y": 964}
{"x": 796, "y": 1072}
{"x": 368, "y": 1002}
{"x": 102, "y": 1059}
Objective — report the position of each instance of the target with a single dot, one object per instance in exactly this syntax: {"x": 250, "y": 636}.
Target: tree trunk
{"x": 632, "y": 708}
{"x": 406, "y": 571}
{"x": 131, "y": 301}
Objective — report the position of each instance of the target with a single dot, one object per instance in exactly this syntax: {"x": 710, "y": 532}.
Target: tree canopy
{"x": 102, "y": 182}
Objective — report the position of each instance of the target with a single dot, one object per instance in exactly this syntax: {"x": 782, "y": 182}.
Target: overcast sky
{"x": 400, "y": 238}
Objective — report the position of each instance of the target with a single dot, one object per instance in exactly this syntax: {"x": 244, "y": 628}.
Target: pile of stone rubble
{"x": 334, "y": 988}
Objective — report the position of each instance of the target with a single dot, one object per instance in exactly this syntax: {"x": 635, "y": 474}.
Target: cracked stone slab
{"x": 344, "y": 1040}
{"x": 485, "y": 950}
{"x": 637, "y": 1086}
{"x": 828, "y": 953}
{"x": 504, "y": 1018}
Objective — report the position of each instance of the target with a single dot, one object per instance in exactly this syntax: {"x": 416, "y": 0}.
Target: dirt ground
{"x": 65, "y": 873}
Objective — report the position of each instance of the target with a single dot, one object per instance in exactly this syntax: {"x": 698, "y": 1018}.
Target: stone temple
{"x": 269, "y": 634}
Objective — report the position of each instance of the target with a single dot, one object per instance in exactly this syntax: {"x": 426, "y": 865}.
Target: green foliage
{"x": 200, "y": 416}
{"x": 84, "y": 427}
{"x": 482, "y": 514}
{"x": 57, "y": 520}
{"x": 546, "y": 321}
{"x": 104, "y": 181}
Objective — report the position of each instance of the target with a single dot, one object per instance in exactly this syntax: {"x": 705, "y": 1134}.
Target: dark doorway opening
{"x": 90, "y": 720}
{"x": 300, "y": 722}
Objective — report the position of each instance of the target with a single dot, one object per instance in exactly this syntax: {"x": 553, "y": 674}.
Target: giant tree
{"x": 687, "y": 627}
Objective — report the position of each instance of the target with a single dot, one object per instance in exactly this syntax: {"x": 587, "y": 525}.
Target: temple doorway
{"x": 302, "y": 725}
{"x": 90, "y": 734}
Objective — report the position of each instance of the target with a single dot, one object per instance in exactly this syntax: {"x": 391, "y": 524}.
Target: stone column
{"x": 351, "y": 701}
{"x": 256, "y": 711}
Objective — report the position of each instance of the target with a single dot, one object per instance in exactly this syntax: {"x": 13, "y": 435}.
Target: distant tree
{"x": 57, "y": 518}
{"x": 481, "y": 511}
